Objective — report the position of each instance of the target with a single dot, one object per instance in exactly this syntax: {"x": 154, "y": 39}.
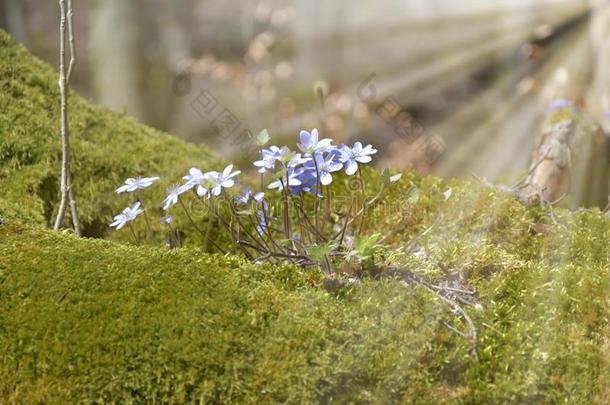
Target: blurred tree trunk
{"x": 599, "y": 30}
{"x": 12, "y": 18}
{"x": 571, "y": 159}
{"x": 115, "y": 49}
{"x": 168, "y": 54}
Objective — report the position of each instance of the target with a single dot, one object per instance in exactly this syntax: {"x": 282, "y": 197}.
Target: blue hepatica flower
{"x": 268, "y": 158}
{"x": 244, "y": 198}
{"x": 196, "y": 178}
{"x": 560, "y": 104}
{"x": 607, "y": 114}
{"x": 275, "y": 154}
{"x": 173, "y": 194}
{"x": 308, "y": 183}
{"x": 137, "y": 183}
{"x": 262, "y": 222}
{"x": 296, "y": 160}
{"x": 336, "y": 153}
{"x": 323, "y": 167}
{"x": 311, "y": 145}
{"x": 128, "y": 215}
{"x": 356, "y": 154}
{"x": 224, "y": 180}
{"x": 166, "y": 220}
{"x": 292, "y": 175}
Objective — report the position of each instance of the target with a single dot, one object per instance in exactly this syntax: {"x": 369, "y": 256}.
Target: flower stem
{"x": 148, "y": 227}
{"x": 174, "y": 237}
{"x": 363, "y": 196}
{"x": 327, "y": 205}
{"x": 186, "y": 211}
{"x": 241, "y": 226}
{"x": 318, "y": 189}
{"x": 268, "y": 229}
{"x": 286, "y": 214}
{"x": 133, "y": 232}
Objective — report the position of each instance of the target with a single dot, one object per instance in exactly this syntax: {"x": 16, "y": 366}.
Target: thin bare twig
{"x": 70, "y": 15}
{"x": 67, "y": 194}
{"x": 64, "y": 116}
{"x": 473, "y": 335}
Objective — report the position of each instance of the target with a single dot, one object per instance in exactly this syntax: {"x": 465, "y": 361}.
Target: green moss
{"x": 84, "y": 320}
{"x": 107, "y": 147}
{"x": 96, "y": 321}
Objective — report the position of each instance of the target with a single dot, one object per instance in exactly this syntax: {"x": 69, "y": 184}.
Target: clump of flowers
{"x": 290, "y": 218}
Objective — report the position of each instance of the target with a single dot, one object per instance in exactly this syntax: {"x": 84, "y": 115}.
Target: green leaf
{"x": 318, "y": 252}
{"x": 365, "y": 249}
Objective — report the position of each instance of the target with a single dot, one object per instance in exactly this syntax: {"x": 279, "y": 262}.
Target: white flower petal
{"x": 227, "y": 171}
{"x": 324, "y": 143}
{"x": 275, "y": 184}
{"x": 236, "y": 173}
{"x": 293, "y": 181}
{"x": 326, "y": 178}
{"x": 369, "y": 150}
{"x": 351, "y": 167}
{"x": 202, "y": 191}
{"x": 122, "y": 189}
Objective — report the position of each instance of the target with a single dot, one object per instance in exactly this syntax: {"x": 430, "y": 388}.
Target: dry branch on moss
{"x": 449, "y": 295}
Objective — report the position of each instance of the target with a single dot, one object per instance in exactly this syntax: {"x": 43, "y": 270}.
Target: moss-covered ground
{"x": 91, "y": 320}
{"x": 107, "y": 147}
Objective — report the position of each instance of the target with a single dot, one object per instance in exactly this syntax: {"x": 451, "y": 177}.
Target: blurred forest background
{"x": 472, "y": 79}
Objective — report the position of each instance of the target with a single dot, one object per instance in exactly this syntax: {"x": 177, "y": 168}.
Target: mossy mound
{"x": 85, "y": 320}
{"x": 107, "y": 147}
{"x": 95, "y": 321}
